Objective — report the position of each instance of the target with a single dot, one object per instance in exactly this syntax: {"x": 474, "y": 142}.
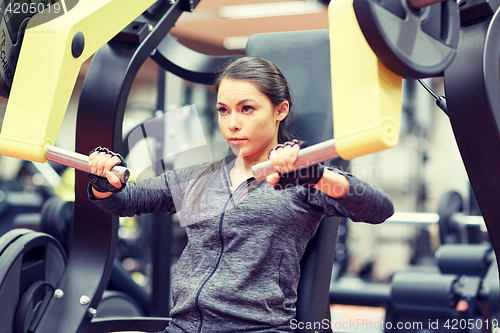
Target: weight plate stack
{"x": 413, "y": 43}
{"x": 31, "y": 264}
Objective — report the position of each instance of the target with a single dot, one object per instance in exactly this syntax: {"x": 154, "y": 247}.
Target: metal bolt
{"x": 58, "y": 293}
{"x": 84, "y": 300}
{"x": 92, "y": 312}
{"x": 150, "y": 27}
{"x": 153, "y": 53}
{"x": 171, "y": 2}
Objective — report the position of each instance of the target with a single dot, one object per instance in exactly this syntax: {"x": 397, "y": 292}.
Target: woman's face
{"x": 248, "y": 119}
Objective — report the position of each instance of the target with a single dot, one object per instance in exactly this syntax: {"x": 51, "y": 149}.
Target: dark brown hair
{"x": 267, "y": 77}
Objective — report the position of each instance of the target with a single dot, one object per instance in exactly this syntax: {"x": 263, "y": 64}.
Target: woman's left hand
{"x": 283, "y": 158}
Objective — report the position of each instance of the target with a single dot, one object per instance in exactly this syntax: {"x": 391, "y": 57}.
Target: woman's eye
{"x": 247, "y": 108}
{"x": 222, "y": 110}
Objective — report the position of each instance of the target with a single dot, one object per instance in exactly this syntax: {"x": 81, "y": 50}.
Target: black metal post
{"x": 472, "y": 83}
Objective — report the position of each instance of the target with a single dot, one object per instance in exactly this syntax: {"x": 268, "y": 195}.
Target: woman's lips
{"x": 237, "y": 141}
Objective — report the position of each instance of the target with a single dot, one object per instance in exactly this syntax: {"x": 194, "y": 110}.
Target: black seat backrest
{"x": 304, "y": 59}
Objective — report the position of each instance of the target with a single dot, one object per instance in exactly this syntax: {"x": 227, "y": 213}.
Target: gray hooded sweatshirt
{"x": 240, "y": 269}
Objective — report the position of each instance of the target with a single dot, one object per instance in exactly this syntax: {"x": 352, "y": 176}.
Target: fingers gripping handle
{"x": 80, "y": 161}
{"x": 306, "y": 157}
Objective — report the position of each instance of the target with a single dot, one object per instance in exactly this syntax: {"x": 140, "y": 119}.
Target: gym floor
{"x": 357, "y": 319}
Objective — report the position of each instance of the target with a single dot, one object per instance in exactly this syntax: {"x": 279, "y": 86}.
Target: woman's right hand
{"x": 101, "y": 161}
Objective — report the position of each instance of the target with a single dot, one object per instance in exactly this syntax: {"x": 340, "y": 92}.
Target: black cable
{"x": 428, "y": 88}
{"x": 440, "y": 100}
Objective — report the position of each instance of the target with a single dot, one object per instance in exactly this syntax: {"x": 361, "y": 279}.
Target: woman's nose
{"x": 234, "y": 122}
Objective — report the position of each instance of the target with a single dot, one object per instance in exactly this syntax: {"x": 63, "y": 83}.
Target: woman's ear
{"x": 282, "y": 110}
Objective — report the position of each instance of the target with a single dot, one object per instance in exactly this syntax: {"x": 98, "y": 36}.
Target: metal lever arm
{"x": 308, "y": 156}
{"x": 80, "y": 162}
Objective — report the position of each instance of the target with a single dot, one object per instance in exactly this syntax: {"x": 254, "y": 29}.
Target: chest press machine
{"x": 49, "y": 292}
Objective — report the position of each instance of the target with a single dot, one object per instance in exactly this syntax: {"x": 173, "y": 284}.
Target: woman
{"x": 240, "y": 269}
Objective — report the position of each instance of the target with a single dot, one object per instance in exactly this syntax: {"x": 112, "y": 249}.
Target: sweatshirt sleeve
{"x": 161, "y": 194}
{"x": 363, "y": 203}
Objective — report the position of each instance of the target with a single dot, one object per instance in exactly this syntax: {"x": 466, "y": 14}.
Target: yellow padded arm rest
{"x": 366, "y": 95}
{"x": 47, "y": 71}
